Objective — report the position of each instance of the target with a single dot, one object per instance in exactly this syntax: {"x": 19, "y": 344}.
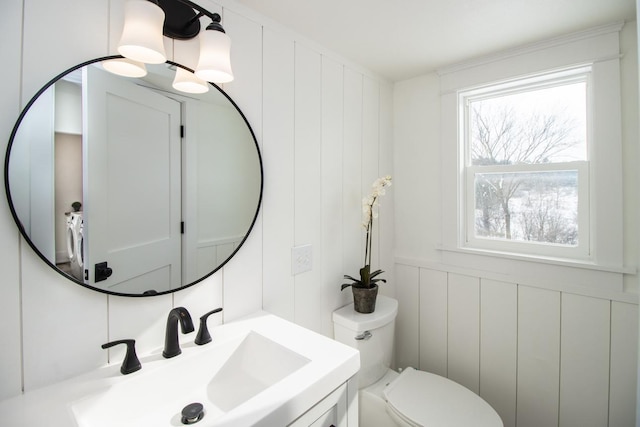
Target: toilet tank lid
{"x": 385, "y": 312}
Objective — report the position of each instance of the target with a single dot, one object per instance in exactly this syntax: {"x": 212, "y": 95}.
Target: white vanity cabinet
{"x": 338, "y": 409}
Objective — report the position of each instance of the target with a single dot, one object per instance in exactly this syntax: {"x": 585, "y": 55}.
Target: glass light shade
{"x": 186, "y": 81}
{"x": 142, "y": 34}
{"x": 214, "y": 64}
{"x": 125, "y": 67}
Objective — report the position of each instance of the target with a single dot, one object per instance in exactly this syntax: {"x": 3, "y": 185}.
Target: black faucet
{"x": 204, "y": 336}
{"x": 131, "y": 363}
{"x": 171, "y": 345}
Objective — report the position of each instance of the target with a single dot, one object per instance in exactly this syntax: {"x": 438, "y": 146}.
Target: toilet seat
{"x": 418, "y": 398}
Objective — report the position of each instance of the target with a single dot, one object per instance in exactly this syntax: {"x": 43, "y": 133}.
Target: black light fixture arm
{"x": 182, "y": 18}
{"x": 202, "y": 11}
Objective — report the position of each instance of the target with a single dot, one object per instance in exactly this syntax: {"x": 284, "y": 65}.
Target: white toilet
{"x": 411, "y": 398}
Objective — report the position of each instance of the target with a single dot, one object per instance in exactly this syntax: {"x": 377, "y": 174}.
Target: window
{"x": 526, "y": 165}
{"x": 565, "y": 197}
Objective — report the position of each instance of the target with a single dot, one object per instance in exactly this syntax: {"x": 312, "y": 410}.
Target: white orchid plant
{"x": 370, "y": 211}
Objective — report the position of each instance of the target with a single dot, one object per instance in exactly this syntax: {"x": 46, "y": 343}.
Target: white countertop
{"x": 330, "y": 364}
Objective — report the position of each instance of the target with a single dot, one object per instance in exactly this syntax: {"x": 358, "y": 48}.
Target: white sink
{"x": 221, "y": 378}
{"x": 258, "y": 371}
{"x": 256, "y": 364}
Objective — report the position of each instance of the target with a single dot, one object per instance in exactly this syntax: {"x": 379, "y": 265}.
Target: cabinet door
{"x": 328, "y": 419}
{"x": 329, "y": 412}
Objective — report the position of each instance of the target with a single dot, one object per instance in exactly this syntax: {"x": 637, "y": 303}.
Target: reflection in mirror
{"x": 128, "y": 186}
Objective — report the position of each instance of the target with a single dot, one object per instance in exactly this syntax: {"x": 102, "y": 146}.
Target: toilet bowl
{"x": 412, "y": 397}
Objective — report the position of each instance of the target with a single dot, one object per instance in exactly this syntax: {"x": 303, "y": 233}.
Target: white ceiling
{"x": 399, "y": 39}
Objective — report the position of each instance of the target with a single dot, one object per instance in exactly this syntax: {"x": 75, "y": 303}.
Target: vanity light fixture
{"x": 145, "y": 23}
{"x": 125, "y": 67}
{"x": 186, "y": 81}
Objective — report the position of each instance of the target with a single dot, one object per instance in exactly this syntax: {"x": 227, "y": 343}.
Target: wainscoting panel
{"x": 540, "y": 357}
{"x": 463, "y": 326}
{"x": 624, "y": 360}
{"x": 433, "y": 321}
{"x": 584, "y": 361}
{"x": 499, "y": 346}
{"x": 407, "y": 323}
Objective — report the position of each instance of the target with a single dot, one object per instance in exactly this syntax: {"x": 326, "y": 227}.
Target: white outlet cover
{"x": 301, "y": 259}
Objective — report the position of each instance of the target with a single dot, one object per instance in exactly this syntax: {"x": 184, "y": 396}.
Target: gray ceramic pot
{"x": 364, "y": 299}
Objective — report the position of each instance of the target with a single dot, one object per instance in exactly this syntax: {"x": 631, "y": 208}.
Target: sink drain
{"x": 192, "y": 413}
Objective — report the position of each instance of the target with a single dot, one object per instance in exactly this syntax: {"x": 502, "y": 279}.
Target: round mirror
{"x": 129, "y": 186}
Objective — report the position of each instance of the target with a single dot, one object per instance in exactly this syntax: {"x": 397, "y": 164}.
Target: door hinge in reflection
{"x": 102, "y": 271}
{"x": 182, "y": 227}
{"x": 181, "y": 131}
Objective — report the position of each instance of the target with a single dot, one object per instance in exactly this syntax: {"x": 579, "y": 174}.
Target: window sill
{"x": 588, "y": 265}
{"x": 561, "y": 275}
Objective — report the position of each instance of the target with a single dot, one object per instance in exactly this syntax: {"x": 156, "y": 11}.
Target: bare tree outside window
{"x": 536, "y": 127}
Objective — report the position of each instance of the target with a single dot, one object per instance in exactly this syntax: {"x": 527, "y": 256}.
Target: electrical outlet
{"x": 301, "y": 259}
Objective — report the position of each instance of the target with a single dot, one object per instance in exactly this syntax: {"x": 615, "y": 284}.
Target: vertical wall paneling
{"x": 538, "y": 357}
{"x": 370, "y": 152}
{"x": 407, "y": 322}
{"x": 72, "y": 322}
{"x": 51, "y": 37}
{"x": 433, "y": 321}
{"x": 143, "y": 319}
{"x": 308, "y": 203}
{"x": 200, "y": 299}
{"x": 386, "y": 220}
{"x": 48, "y": 323}
{"x": 243, "y": 274}
{"x": 584, "y": 361}
{"x": 417, "y": 158}
{"x": 116, "y": 23}
{"x": 60, "y": 319}
{"x": 10, "y": 358}
{"x": 278, "y": 158}
{"x": 464, "y": 330}
{"x": 624, "y": 360}
{"x": 498, "y": 347}
{"x": 545, "y": 358}
{"x": 332, "y": 268}
{"x": 353, "y": 254}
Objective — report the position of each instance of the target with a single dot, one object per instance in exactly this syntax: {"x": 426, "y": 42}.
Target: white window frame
{"x": 553, "y": 78}
{"x": 599, "y": 48}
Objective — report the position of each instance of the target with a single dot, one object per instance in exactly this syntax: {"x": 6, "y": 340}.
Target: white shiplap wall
{"x": 311, "y": 111}
{"x": 540, "y": 357}
{"x": 543, "y": 345}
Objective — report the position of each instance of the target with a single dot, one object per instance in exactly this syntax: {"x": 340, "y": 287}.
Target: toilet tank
{"x": 375, "y": 331}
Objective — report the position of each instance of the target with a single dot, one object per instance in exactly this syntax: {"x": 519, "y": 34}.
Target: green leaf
{"x": 376, "y": 273}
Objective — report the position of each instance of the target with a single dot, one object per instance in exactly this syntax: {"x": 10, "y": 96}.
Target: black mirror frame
{"x": 21, "y": 228}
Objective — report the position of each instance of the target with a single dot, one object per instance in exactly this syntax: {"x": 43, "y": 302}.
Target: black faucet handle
{"x": 203, "y": 336}
{"x": 131, "y": 363}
